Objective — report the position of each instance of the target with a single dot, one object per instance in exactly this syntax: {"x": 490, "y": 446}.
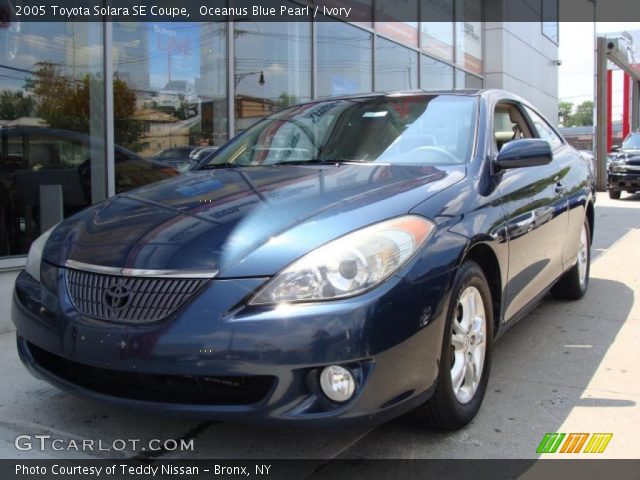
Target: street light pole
{"x": 241, "y": 76}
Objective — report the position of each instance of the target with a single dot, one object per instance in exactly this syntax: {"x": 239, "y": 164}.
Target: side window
{"x": 12, "y": 152}
{"x": 508, "y": 124}
{"x": 55, "y": 152}
{"x": 545, "y": 132}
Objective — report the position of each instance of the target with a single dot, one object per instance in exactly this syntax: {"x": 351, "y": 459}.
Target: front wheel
{"x": 574, "y": 283}
{"x": 466, "y": 354}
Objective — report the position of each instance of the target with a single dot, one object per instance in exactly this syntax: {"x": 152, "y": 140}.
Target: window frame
{"x": 556, "y": 16}
{"x": 527, "y": 109}
{"x": 514, "y": 104}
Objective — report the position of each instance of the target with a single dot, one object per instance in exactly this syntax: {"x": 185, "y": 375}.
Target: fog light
{"x": 337, "y": 383}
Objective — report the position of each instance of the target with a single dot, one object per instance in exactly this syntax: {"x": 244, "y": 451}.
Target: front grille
{"x": 128, "y": 299}
{"x": 180, "y": 389}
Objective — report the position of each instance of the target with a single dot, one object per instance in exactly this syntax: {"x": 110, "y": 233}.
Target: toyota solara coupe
{"x": 343, "y": 260}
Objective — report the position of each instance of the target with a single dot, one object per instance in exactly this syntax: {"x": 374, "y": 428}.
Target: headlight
{"x": 35, "y": 254}
{"x": 617, "y": 166}
{"x": 349, "y": 265}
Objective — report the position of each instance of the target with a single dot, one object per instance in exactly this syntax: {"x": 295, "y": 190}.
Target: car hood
{"x": 244, "y": 221}
{"x": 630, "y": 155}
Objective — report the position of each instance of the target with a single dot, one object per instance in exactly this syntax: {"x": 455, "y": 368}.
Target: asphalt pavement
{"x": 567, "y": 367}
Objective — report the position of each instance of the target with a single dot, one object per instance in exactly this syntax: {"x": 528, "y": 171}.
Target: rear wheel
{"x": 466, "y": 354}
{"x": 615, "y": 194}
{"x": 574, "y": 283}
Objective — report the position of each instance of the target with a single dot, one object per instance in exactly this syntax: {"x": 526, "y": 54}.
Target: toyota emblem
{"x": 116, "y": 298}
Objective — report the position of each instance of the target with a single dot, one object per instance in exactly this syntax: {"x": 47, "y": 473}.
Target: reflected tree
{"x": 65, "y": 103}
{"x": 14, "y": 105}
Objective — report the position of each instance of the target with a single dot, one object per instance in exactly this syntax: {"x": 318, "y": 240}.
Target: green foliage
{"x": 65, "y": 103}
{"x": 583, "y": 116}
{"x": 565, "y": 110}
{"x": 580, "y": 116}
{"x": 286, "y": 100}
{"x": 14, "y": 105}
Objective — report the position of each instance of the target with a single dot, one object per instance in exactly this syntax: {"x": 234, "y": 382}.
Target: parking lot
{"x": 567, "y": 367}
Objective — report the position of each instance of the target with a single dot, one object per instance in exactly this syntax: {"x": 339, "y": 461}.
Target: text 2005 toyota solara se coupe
{"x": 344, "y": 260}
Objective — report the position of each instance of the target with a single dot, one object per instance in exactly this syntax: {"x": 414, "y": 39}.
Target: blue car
{"x": 346, "y": 260}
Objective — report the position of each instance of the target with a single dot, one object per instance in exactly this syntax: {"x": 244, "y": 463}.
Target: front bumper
{"x": 625, "y": 181}
{"x": 390, "y": 337}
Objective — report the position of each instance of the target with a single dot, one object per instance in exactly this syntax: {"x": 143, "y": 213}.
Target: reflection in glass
{"x": 550, "y": 16}
{"x": 471, "y": 81}
{"x": 344, "y": 59}
{"x": 436, "y": 30}
{"x": 396, "y": 67}
{"x": 170, "y": 87}
{"x": 469, "y": 35}
{"x": 434, "y": 74}
{"x": 272, "y": 68}
{"x": 469, "y": 46}
{"x": 390, "y": 16}
{"x": 466, "y": 80}
{"x": 51, "y": 111}
{"x": 416, "y": 130}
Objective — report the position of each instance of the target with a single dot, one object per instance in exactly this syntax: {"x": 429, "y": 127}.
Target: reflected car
{"x": 199, "y": 152}
{"x": 623, "y": 168}
{"x": 176, "y": 157}
{"x": 31, "y": 157}
{"x": 342, "y": 261}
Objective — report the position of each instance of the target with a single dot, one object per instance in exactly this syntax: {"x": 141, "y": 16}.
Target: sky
{"x": 576, "y": 74}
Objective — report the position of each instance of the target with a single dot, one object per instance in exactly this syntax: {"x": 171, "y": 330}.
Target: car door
{"x": 571, "y": 182}
{"x": 535, "y": 210}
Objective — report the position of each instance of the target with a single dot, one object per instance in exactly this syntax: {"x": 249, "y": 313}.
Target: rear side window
{"x": 545, "y": 132}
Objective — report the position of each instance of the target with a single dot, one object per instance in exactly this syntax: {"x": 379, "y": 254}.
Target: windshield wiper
{"x": 317, "y": 161}
{"x": 213, "y": 166}
{"x": 312, "y": 161}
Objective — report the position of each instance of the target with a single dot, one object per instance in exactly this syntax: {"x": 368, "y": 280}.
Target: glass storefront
{"x": 344, "y": 59}
{"x": 170, "y": 90}
{"x": 179, "y": 90}
{"x": 272, "y": 68}
{"x": 468, "y": 33}
{"x": 435, "y": 75}
{"x": 436, "y": 30}
{"x": 51, "y": 118}
{"x": 396, "y": 66}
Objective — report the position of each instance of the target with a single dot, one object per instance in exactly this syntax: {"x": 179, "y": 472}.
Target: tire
{"x": 573, "y": 285}
{"x": 614, "y": 194}
{"x": 446, "y": 409}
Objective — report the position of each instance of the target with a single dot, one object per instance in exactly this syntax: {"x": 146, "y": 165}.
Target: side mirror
{"x": 526, "y": 152}
{"x": 615, "y": 148}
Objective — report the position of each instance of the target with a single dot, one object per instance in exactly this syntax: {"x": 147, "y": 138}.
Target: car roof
{"x": 401, "y": 93}
{"x": 68, "y": 135}
{"x": 475, "y": 92}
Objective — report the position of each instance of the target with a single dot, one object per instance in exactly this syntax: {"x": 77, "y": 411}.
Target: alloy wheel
{"x": 468, "y": 344}
{"x": 583, "y": 256}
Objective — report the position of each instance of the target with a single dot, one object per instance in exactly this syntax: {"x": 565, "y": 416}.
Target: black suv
{"x": 623, "y": 171}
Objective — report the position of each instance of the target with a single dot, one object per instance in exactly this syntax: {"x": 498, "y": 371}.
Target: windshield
{"x": 412, "y": 130}
{"x": 632, "y": 141}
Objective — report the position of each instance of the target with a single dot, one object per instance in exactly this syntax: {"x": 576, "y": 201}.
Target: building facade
{"x": 87, "y": 110}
